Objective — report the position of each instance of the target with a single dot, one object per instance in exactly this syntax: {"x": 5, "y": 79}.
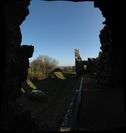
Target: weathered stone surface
{"x": 103, "y": 73}
{"x": 16, "y": 56}
{"x": 16, "y": 63}
{"x": 114, "y": 27}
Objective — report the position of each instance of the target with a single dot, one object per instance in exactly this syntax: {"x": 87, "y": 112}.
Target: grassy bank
{"x": 51, "y": 109}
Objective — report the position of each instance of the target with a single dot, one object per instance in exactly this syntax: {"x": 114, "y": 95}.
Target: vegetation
{"x": 49, "y": 111}
{"x": 41, "y": 67}
{"x": 69, "y": 69}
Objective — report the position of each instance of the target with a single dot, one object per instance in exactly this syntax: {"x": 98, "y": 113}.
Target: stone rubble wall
{"x": 110, "y": 63}
{"x": 16, "y": 55}
{"x": 16, "y": 58}
{"x": 103, "y": 67}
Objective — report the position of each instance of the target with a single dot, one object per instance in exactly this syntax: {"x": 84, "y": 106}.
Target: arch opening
{"x": 107, "y": 74}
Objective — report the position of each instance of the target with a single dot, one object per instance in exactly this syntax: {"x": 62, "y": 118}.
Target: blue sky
{"x": 57, "y": 28}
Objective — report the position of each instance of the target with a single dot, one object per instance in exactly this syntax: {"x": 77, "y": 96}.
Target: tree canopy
{"x": 42, "y": 66}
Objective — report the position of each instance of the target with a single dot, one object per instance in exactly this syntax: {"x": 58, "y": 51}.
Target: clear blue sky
{"x": 57, "y": 28}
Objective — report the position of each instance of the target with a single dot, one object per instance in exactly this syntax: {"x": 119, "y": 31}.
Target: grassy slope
{"x": 51, "y": 109}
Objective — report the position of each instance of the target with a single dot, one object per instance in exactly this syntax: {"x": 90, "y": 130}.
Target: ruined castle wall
{"x": 15, "y": 64}
{"x": 110, "y": 63}
{"x": 16, "y": 61}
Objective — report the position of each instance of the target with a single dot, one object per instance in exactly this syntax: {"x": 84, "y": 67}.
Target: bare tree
{"x": 43, "y": 64}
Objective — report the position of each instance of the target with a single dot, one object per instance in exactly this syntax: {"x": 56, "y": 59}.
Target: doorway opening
{"x": 50, "y": 98}
{"x": 56, "y": 29}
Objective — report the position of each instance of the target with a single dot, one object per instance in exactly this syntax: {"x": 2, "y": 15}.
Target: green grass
{"x": 50, "y": 109}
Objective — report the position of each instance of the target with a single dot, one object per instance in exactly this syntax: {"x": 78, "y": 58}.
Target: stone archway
{"x": 16, "y": 63}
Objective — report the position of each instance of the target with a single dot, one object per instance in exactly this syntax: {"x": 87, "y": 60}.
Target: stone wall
{"x": 110, "y": 36}
{"x": 16, "y": 56}
{"x": 16, "y": 61}
{"x": 104, "y": 71}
